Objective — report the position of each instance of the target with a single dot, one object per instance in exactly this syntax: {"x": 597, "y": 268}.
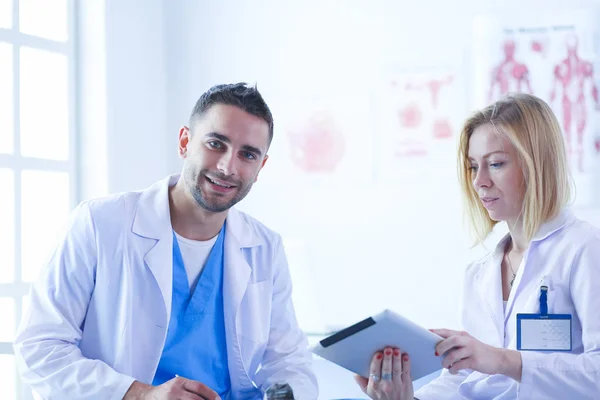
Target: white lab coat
{"x": 565, "y": 256}
{"x": 99, "y": 312}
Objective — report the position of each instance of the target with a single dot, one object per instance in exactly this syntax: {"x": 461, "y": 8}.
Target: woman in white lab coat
{"x": 513, "y": 168}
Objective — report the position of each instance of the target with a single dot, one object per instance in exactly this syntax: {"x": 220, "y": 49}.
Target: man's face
{"x": 223, "y": 152}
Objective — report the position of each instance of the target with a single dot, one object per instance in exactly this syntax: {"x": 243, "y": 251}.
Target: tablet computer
{"x": 354, "y": 347}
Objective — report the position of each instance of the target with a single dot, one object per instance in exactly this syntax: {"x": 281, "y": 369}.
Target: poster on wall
{"x": 553, "y": 56}
{"x": 418, "y": 114}
{"x": 323, "y": 139}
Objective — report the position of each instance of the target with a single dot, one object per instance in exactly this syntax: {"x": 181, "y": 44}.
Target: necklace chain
{"x": 514, "y": 274}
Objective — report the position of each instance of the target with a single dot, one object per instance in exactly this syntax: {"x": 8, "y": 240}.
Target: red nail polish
{"x": 379, "y": 356}
{"x": 388, "y": 352}
{"x": 396, "y": 353}
{"x": 436, "y": 354}
{"x": 405, "y": 358}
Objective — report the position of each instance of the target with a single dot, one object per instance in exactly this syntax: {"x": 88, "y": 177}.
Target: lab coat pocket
{"x": 559, "y": 300}
{"x": 558, "y": 295}
{"x": 255, "y": 312}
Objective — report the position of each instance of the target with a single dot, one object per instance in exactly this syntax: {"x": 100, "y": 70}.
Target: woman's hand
{"x": 463, "y": 351}
{"x": 389, "y": 376}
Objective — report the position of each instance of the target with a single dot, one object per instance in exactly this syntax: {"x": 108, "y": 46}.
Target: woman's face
{"x": 496, "y": 173}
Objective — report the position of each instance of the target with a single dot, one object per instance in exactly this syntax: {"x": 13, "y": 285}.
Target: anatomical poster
{"x": 324, "y": 139}
{"x": 555, "y": 57}
{"x": 418, "y": 114}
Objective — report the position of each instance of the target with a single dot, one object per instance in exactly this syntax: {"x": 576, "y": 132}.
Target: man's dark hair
{"x": 240, "y": 95}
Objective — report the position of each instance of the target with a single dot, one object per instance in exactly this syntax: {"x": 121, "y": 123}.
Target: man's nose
{"x": 227, "y": 164}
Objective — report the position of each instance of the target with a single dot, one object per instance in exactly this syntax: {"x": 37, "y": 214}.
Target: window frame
{"x": 16, "y": 162}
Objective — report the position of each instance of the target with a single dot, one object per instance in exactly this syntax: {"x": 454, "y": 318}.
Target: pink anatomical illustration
{"x": 537, "y": 46}
{"x": 442, "y": 129}
{"x": 410, "y": 116}
{"x": 441, "y": 125}
{"x": 317, "y": 143}
{"x": 540, "y": 46}
{"x": 510, "y": 75}
{"x": 410, "y": 148}
{"x": 570, "y": 77}
{"x": 434, "y": 86}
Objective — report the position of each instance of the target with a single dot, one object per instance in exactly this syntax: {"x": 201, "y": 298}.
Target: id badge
{"x": 549, "y": 332}
{"x": 543, "y": 331}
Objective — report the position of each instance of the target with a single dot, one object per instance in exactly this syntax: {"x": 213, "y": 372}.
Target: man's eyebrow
{"x": 219, "y": 136}
{"x": 252, "y": 149}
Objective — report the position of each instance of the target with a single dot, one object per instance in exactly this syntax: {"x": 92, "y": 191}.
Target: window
{"x": 37, "y": 163}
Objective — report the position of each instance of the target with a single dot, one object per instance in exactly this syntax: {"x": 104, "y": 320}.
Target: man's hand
{"x": 176, "y": 389}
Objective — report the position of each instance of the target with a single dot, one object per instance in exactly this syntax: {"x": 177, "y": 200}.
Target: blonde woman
{"x": 531, "y": 308}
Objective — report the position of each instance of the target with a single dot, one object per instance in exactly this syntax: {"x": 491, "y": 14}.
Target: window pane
{"x": 6, "y": 98}
{"x": 6, "y": 14}
{"x": 45, "y": 208}
{"x": 44, "y": 18}
{"x": 7, "y": 226}
{"x": 7, "y": 316}
{"x": 24, "y": 306}
{"x": 44, "y": 104}
{"x": 8, "y": 376}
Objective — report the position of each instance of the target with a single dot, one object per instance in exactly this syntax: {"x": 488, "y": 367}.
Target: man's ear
{"x": 184, "y": 140}
{"x": 264, "y": 161}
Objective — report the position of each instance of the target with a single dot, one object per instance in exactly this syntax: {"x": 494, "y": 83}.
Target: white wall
{"x": 122, "y": 95}
{"x": 266, "y": 42}
{"x": 354, "y": 247}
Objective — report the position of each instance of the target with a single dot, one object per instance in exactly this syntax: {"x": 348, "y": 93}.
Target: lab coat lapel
{"x": 517, "y": 287}
{"x": 152, "y": 223}
{"x": 236, "y": 276}
{"x": 490, "y": 290}
{"x": 237, "y": 271}
{"x": 489, "y": 285}
{"x": 524, "y": 273}
{"x": 160, "y": 262}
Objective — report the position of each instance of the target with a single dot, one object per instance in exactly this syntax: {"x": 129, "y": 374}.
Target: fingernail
{"x": 379, "y": 356}
{"x": 396, "y": 352}
{"x": 436, "y": 354}
{"x": 405, "y": 358}
{"x": 388, "y": 352}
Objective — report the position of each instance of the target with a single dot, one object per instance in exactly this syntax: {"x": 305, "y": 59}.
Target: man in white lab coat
{"x": 169, "y": 292}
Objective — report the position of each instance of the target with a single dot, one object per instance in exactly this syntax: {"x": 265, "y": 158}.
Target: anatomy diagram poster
{"x": 554, "y": 57}
{"x": 418, "y": 114}
{"x": 324, "y": 139}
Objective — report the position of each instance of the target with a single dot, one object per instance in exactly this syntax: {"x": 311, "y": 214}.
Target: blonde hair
{"x": 532, "y": 128}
